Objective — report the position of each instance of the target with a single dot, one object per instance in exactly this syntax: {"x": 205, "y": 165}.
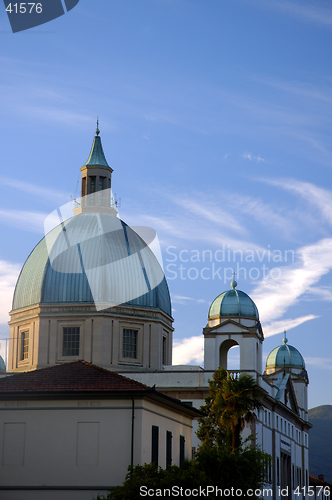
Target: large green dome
{"x": 92, "y": 258}
{"x": 233, "y": 303}
{"x": 285, "y": 356}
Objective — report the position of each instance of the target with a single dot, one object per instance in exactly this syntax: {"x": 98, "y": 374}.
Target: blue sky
{"x": 216, "y": 118}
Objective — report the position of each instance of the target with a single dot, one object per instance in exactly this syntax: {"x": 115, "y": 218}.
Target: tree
{"x": 238, "y": 399}
{"x": 151, "y": 477}
{"x": 231, "y": 403}
{"x": 211, "y": 431}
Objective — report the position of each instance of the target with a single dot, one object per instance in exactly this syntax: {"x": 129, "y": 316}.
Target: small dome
{"x": 285, "y": 356}
{"x": 2, "y": 365}
{"x": 92, "y": 258}
{"x": 233, "y": 303}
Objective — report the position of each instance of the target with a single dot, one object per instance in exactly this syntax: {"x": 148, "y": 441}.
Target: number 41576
{"x": 22, "y": 8}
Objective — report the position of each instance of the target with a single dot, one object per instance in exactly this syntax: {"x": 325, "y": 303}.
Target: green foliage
{"x": 225, "y": 469}
{"x": 215, "y": 466}
{"x": 211, "y": 432}
{"x": 231, "y": 403}
{"x": 152, "y": 477}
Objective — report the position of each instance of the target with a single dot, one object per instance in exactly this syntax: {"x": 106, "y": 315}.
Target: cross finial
{"x": 285, "y": 339}
{"x": 97, "y": 129}
{"x": 233, "y": 282}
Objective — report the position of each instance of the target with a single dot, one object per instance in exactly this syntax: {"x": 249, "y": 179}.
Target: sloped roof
{"x": 97, "y": 156}
{"x": 82, "y": 379}
{"x": 69, "y": 377}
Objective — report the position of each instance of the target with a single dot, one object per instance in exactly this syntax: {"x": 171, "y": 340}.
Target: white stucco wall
{"x": 80, "y": 443}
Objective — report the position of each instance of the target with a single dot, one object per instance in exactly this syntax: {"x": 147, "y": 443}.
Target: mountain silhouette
{"x": 320, "y": 441}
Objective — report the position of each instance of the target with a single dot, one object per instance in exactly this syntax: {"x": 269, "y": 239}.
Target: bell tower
{"x": 233, "y": 320}
{"x": 96, "y": 181}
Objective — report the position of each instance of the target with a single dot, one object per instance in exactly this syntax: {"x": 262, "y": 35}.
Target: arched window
{"x": 229, "y": 358}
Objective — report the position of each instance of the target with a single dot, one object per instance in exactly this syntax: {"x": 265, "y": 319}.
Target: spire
{"x": 285, "y": 339}
{"x": 97, "y": 156}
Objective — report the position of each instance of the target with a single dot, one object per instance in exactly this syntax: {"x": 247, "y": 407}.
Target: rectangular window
{"x": 278, "y": 476}
{"x": 83, "y": 186}
{"x": 277, "y": 423}
{"x": 71, "y": 341}
{"x": 25, "y": 345}
{"x": 155, "y": 445}
{"x": 164, "y": 351}
{"x": 168, "y": 448}
{"x": 182, "y": 441}
{"x": 101, "y": 183}
{"x": 129, "y": 345}
{"x": 92, "y": 184}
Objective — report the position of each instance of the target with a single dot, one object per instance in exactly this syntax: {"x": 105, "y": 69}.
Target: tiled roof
{"x": 69, "y": 377}
{"x": 317, "y": 481}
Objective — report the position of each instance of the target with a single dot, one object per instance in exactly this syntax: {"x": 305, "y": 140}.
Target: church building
{"x": 93, "y": 290}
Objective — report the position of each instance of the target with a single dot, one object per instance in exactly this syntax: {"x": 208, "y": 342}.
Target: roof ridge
{"x": 101, "y": 368}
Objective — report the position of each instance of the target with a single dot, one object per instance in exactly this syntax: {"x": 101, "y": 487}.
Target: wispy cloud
{"x": 55, "y": 114}
{"x": 314, "y": 195}
{"x": 182, "y": 219}
{"x": 35, "y": 190}
{"x": 180, "y": 299}
{"x": 181, "y": 230}
{"x": 275, "y": 295}
{"x": 314, "y": 12}
{"x": 269, "y": 214}
{"x": 28, "y": 221}
{"x": 322, "y": 363}
{"x": 251, "y": 157}
{"x": 8, "y": 276}
{"x": 301, "y": 90}
{"x": 190, "y": 350}
{"x": 287, "y": 324}
{"x": 209, "y": 211}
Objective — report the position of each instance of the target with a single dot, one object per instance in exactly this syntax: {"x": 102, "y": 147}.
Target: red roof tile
{"x": 69, "y": 377}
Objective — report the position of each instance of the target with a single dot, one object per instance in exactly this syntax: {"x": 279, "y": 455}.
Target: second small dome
{"x": 233, "y": 303}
